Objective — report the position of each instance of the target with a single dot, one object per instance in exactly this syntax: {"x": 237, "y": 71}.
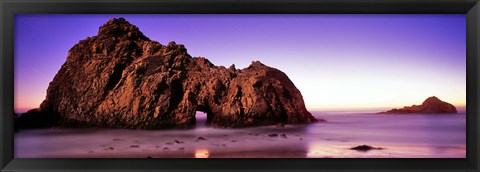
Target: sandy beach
{"x": 399, "y": 136}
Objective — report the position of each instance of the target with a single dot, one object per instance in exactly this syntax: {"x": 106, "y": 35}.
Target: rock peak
{"x": 256, "y": 64}
{"x": 119, "y": 27}
{"x": 431, "y": 100}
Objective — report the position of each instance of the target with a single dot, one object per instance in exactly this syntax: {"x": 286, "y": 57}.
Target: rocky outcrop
{"x": 365, "y": 148}
{"x": 36, "y": 119}
{"x": 431, "y": 105}
{"x": 122, "y": 79}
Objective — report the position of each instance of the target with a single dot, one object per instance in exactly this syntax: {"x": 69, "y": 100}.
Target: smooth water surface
{"x": 400, "y": 136}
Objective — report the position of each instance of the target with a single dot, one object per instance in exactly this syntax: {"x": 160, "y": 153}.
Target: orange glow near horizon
{"x": 373, "y": 86}
{"x": 337, "y": 94}
{"x": 369, "y": 107}
{"x": 344, "y": 91}
{"x": 352, "y": 98}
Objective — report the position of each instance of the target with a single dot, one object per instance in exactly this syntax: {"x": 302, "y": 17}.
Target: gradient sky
{"x": 336, "y": 61}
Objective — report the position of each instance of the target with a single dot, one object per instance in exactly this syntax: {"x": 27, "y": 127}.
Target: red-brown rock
{"x": 122, "y": 79}
{"x": 431, "y": 105}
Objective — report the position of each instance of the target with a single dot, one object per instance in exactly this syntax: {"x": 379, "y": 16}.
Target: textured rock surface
{"x": 431, "y": 105}
{"x": 122, "y": 79}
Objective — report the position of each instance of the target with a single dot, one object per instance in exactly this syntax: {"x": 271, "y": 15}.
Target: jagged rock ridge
{"x": 122, "y": 79}
{"x": 431, "y": 105}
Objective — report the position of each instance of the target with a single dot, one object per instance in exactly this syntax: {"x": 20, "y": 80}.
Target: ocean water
{"x": 399, "y": 136}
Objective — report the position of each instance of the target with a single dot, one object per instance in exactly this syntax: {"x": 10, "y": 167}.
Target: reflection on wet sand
{"x": 201, "y": 153}
{"x": 315, "y": 151}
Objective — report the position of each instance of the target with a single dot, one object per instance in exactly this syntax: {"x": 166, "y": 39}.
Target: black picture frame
{"x": 9, "y": 8}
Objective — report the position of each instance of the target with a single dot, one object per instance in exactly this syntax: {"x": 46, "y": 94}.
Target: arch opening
{"x": 203, "y": 116}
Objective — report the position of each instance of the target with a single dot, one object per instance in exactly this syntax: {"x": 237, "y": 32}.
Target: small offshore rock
{"x": 431, "y": 105}
{"x": 273, "y": 135}
{"x": 365, "y": 148}
{"x": 200, "y": 138}
{"x": 109, "y": 149}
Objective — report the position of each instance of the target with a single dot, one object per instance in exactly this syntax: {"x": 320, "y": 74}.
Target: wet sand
{"x": 413, "y": 136}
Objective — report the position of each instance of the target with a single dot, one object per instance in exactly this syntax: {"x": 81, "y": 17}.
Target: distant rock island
{"x": 431, "y": 105}
{"x": 122, "y": 79}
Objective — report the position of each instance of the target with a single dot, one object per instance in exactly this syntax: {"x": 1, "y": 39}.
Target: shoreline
{"x": 402, "y": 136}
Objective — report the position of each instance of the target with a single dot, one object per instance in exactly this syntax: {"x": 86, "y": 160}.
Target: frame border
{"x": 8, "y": 9}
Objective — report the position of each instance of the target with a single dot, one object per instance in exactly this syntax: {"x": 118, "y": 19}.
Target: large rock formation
{"x": 122, "y": 79}
{"x": 431, "y": 105}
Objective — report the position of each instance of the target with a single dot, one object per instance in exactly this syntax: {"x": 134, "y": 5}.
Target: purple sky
{"x": 337, "y": 61}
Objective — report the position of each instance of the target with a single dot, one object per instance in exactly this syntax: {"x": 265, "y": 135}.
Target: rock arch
{"x": 139, "y": 83}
